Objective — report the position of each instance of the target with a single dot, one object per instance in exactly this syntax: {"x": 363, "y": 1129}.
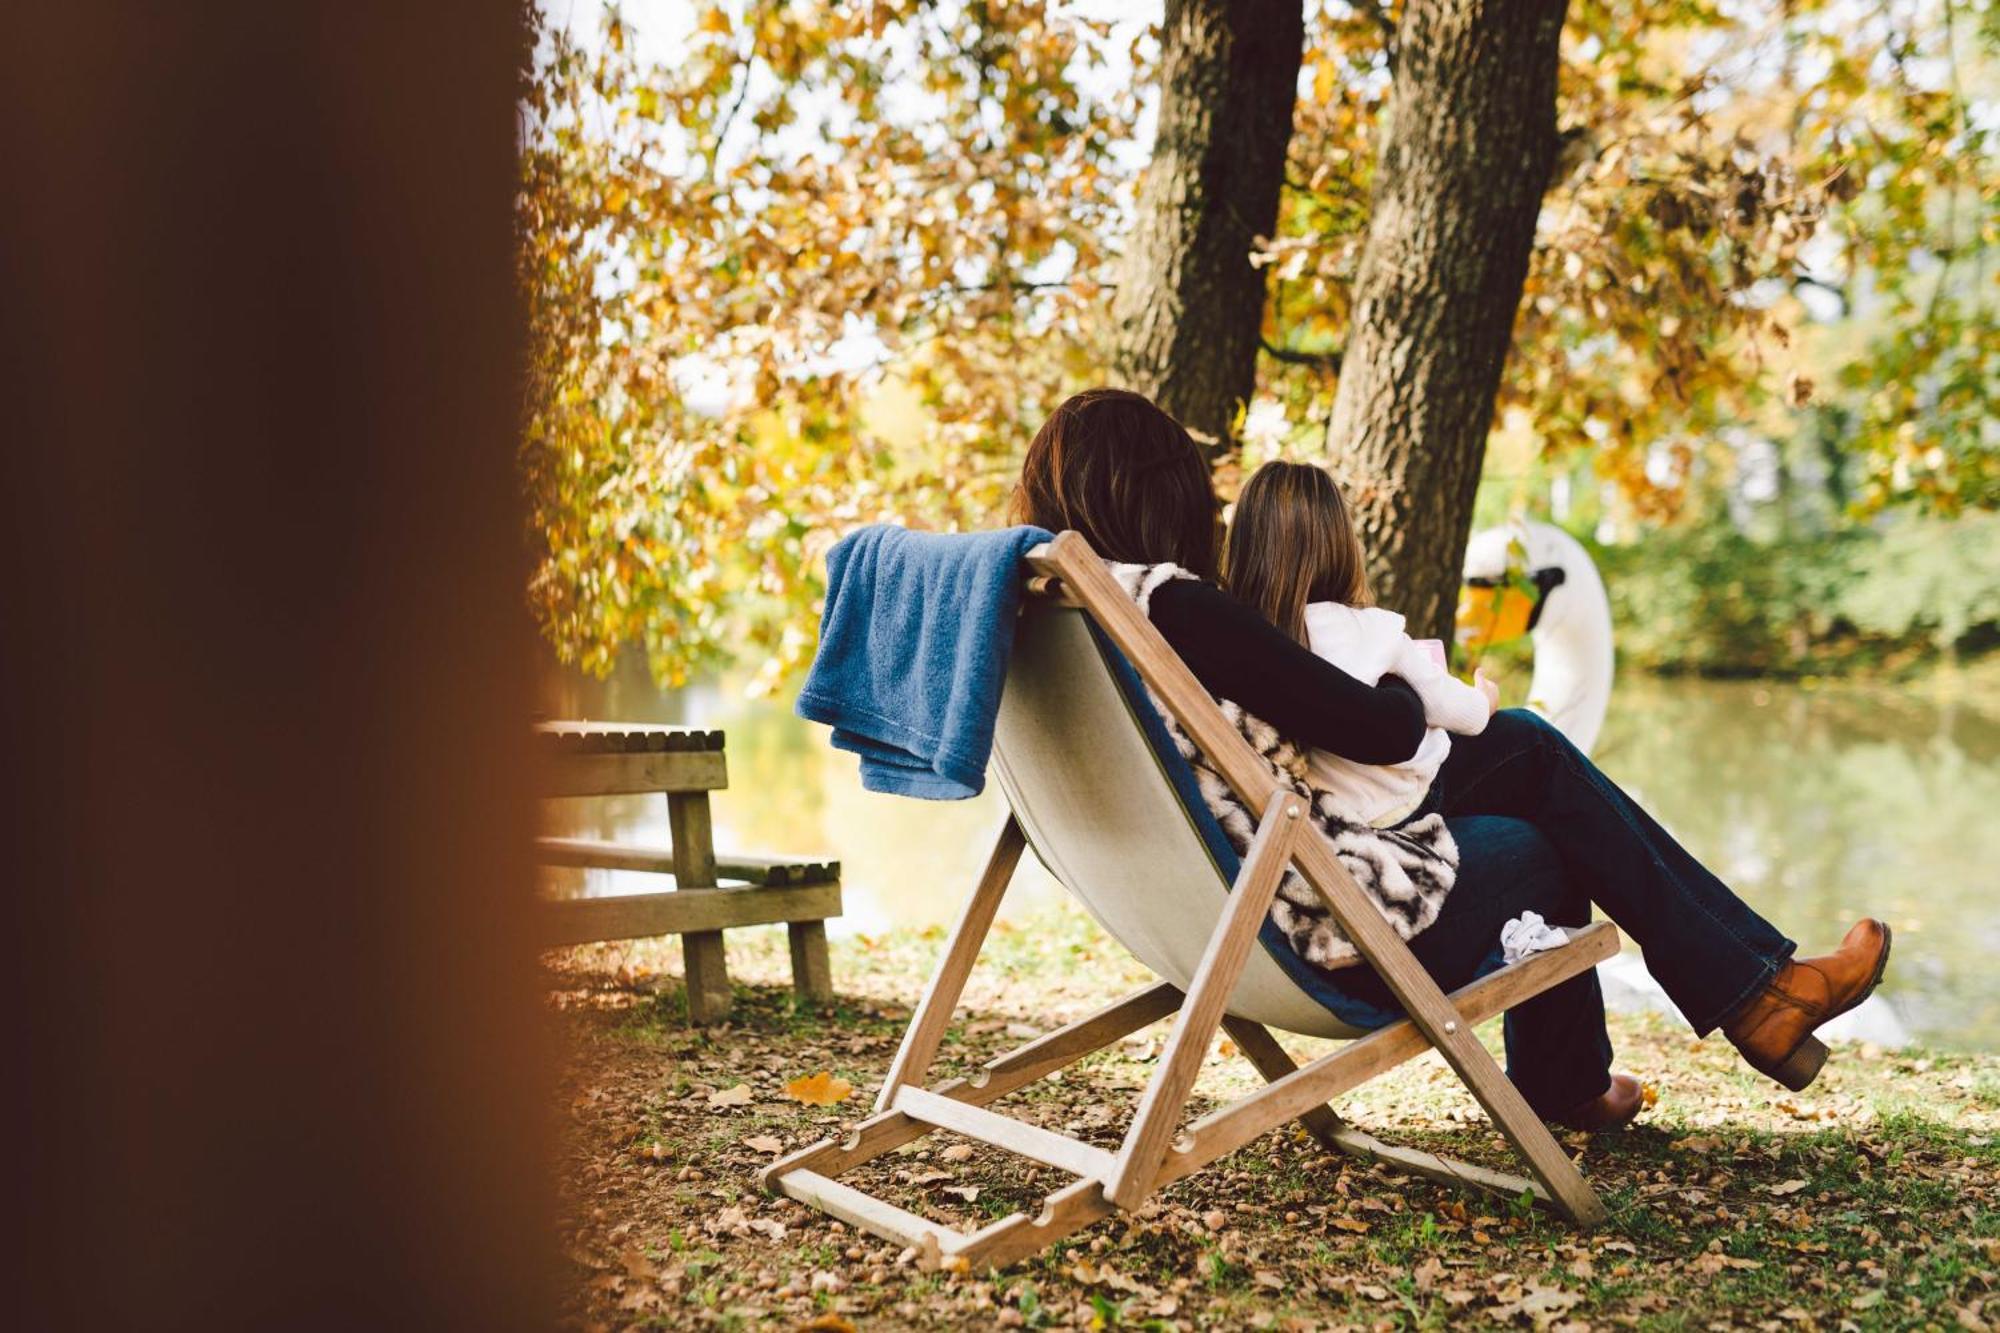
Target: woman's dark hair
{"x": 1291, "y": 542}
{"x": 1111, "y": 465}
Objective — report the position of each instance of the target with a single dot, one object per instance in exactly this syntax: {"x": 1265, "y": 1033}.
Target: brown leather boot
{"x": 1774, "y": 1031}
{"x": 1617, "y": 1105}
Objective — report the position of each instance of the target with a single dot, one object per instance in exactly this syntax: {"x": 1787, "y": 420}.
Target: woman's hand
{"x": 1485, "y": 685}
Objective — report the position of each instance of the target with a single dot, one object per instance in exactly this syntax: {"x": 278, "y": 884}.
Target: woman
{"x": 1537, "y": 826}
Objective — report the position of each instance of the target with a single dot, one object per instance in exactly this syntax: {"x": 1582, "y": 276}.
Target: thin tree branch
{"x": 749, "y": 66}
{"x": 1327, "y": 362}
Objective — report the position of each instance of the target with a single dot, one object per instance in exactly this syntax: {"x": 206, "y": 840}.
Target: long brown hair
{"x": 1113, "y": 466}
{"x": 1292, "y": 542}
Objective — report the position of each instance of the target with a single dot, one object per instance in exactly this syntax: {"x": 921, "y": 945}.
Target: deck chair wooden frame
{"x": 1157, "y": 1149}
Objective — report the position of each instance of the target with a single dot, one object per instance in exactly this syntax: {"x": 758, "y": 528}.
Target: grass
{"x": 1870, "y": 1201}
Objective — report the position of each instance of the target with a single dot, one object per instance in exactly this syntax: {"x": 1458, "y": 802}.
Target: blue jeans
{"x": 1588, "y": 843}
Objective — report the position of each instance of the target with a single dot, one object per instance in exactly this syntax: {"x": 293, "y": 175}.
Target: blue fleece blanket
{"x": 913, "y": 650}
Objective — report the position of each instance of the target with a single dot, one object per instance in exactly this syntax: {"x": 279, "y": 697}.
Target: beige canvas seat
{"x": 1090, "y": 790}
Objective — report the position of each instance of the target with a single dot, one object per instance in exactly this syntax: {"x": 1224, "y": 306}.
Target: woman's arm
{"x": 1238, "y": 655}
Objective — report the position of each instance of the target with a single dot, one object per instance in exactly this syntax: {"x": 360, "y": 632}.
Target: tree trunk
{"x": 1468, "y": 145}
{"x": 1190, "y": 306}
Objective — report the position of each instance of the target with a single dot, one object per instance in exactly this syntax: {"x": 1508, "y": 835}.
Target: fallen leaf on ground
{"x": 1105, "y": 1275}
{"x": 957, "y": 1152}
{"x": 1785, "y": 1187}
{"x": 1542, "y": 1303}
{"x": 969, "y": 1193}
{"x": 731, "y": 1220}
{"x": 821, "y": 1089}
{"x": 764, "y": 1143}
{"x": 736, "y": 1096}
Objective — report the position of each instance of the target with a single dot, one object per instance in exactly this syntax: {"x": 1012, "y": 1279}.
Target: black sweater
{"x": 1238, "y": 655}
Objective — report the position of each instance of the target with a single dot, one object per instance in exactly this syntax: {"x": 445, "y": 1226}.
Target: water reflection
{"x": 1819, "y": 806}
{"x": 1823, "y": 805}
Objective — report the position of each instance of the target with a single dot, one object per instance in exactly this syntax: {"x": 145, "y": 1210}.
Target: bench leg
{"x": 812, "y": 972}
{"x": 708, "y": 994}
{"x": 694, "y": 868}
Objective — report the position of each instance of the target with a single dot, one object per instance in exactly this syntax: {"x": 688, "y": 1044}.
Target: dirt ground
{"x": 1867, "y": 1202}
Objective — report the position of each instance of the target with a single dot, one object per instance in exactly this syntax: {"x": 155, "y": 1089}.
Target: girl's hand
{"x": 1484, "y": 684}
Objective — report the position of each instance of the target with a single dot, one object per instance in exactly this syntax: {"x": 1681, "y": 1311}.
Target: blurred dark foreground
{"x": 258, "y": 342}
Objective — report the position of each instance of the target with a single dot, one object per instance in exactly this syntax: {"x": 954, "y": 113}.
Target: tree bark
{"x": 1468, "y": 145}
{"x": 1190, "y": 305}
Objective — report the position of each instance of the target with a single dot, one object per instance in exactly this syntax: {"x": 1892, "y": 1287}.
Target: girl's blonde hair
{"x": 1293, "y": 542}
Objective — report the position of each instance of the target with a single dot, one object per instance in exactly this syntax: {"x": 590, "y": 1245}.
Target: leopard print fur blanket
{"x": 1406, "y": 871}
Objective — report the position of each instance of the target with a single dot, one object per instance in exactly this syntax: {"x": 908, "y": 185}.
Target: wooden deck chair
{"x": 1096, "y": 795}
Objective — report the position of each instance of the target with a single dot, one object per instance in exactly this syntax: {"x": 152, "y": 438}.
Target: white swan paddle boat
{"x": 1535, "y": 579}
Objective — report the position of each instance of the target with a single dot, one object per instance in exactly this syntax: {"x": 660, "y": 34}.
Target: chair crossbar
{"x": 1272, "y": 1061}
{"x": 850, "y": 1205}
{"x": 1431, "y": 1166}
{"x": 1003, "y": 1131}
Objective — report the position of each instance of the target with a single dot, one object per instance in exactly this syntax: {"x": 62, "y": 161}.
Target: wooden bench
{"x": 620, "y": 758}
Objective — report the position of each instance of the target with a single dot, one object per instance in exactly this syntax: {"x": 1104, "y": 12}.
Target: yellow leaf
{"x": 821, "y": 1089}
{"x": 828, "y": 1323}
{"x": 736, "y": 1096}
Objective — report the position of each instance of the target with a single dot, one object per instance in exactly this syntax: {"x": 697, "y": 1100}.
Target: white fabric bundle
{"x": 1528, "y": 933}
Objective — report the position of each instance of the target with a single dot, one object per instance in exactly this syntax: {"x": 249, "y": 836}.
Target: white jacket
{"x": 1369, "y": 643}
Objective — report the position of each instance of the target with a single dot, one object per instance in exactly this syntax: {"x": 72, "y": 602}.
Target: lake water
{"x": 1817, "y": 805}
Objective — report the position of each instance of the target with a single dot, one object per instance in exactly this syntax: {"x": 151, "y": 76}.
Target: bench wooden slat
{"x": 680, "y": 911}
{"x": 604, "y": 773}
{"x": 652, "y": 858}
{"x": 625, "y": 737}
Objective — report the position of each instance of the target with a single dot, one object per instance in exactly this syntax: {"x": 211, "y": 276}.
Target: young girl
{"x": 1292, "y": 554}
